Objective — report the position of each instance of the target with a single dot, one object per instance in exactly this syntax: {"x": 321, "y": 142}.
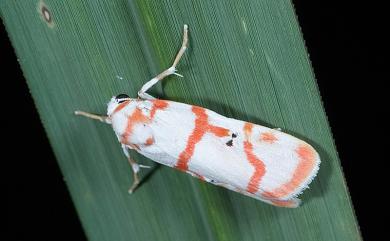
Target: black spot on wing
{"x": 229, "y": 143}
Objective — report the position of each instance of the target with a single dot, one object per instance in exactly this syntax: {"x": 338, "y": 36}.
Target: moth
{"x": 254, "y": 160}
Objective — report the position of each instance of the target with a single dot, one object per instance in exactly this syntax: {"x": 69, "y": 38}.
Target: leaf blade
{"x": 246, "y": 60}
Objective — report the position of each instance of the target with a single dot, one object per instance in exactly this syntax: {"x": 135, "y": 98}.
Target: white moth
{"x": 254, "y": 160}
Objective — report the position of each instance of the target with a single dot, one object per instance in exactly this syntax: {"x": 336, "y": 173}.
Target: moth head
{"x": 115, "y": 102}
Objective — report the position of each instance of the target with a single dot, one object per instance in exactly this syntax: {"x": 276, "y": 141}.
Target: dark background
{"x": 346, "y": 46}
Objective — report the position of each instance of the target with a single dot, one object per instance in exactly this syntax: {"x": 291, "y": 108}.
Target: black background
{"x": 347, "y": 49}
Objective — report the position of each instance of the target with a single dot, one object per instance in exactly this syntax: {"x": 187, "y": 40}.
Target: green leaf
{"x": 246, "y": 60}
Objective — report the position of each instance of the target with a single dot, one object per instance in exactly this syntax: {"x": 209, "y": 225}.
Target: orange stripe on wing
{"x": 136, "y": 118}
{"x": 218, "y": 131}
{"x": 305, "y": 166}
{"x": 157, "y": 105}
{"x": 268, "y": 137}
{"x": 121, "y": 106}
{"x": 149, "y": 141}
{"x": 254, "y": 182}
{"x": 195, "y": 137}
{"x": 248, "y": 130}
{"x": 201, "y": 128}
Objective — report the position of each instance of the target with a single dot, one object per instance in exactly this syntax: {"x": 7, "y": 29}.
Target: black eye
{"x": 122, "y": 97}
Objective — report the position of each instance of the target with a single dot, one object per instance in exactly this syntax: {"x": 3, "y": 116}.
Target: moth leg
{"x": 135, "y": 167}
{"x": 101, "y": 118}
{"x": 171, "y": 70}
{"x": 136, "y": 181}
